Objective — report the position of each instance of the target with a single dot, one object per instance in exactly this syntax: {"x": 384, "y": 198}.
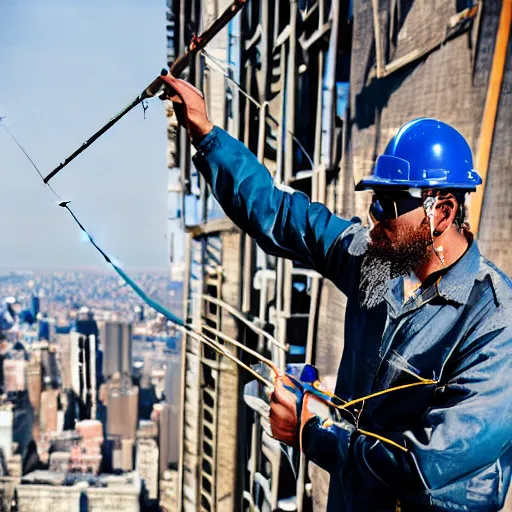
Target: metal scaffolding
{"x": 278, "y": 80}
{"x": 272, "y": 57}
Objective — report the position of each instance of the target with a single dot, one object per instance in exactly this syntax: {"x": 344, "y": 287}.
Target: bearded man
{"x": 424, "y": 307}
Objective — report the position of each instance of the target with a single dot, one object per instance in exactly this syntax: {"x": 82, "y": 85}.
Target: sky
{"x": 67, "y": 67}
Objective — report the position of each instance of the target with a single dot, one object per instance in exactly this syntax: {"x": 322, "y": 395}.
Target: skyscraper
{"x": 14, "y": 375}
{"x": 116, "y": 343}
{"x": 34, "y": 383}
{"x": 147, "y": 457}
{"x": 121, "y": 399}
{"x": 83, "y": 370}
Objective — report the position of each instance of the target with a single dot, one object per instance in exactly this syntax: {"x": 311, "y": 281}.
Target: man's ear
{"x": 445, "y": 214}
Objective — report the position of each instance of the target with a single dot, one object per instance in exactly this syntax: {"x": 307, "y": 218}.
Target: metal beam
{"x": 379, "y": 57}
{"x": 490, "y": 111}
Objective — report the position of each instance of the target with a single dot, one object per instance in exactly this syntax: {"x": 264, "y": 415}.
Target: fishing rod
{"x": 157, "y": 86}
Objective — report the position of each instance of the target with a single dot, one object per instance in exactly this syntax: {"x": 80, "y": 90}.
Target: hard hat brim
{"x": 376, "y": 183}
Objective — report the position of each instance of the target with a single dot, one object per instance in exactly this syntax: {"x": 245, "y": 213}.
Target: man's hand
{"x": 285, "y": 404}
{"x": 189, "y": 106}
{"x": 290, "y": 410}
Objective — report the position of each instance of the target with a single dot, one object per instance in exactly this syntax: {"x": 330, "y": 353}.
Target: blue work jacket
{"x": 458, "y": 333}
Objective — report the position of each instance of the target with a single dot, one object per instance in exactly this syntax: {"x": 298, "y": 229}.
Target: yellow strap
{"x": 383, "y": 439}
{"x": 373, "y": 395}
{"x": 384, "y": 391}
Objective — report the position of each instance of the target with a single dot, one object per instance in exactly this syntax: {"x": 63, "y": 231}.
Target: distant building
{"x": 115, "y": 492}
{"x": 49, "y": 412}
{"x": 127, "y": 446}
{"x": 139, "y": 313}
{"x": 35, "y": 305}
{"x": 34, "y": 384}
{"x": 169, "y": 416}
{"x": 173, "y": 379}
{"x": 7, "y": 489}
{"x": 116, "y": 344}
{"x": 52, "y": 491}
{"x": 83, "y": 358}
{"x": 83, "y": 370}
{"x": 64, "y": 360}
{"x": 44, "y": 491}
{"x": 6, "y": 428}
{"x": 120, "y": 397}
{"x": 16, "y": 421}
{"x": 77, "y": 450}
{"x": 147, "y": 457}
{"x": 14, "y": 375}
{"x": 86, "y": 456}
{"x": 50, "y": 367}
{"x": 15, "y": 465}
{"x": 158, "y": 382}
{"x": 44, "y": 329}
{"x": 60, "y": 462}
{"x": 168, "y": 500}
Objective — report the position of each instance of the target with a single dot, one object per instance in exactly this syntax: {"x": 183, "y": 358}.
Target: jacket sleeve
{"x": 283, "y": 224}
{"x": 461, "y": 454}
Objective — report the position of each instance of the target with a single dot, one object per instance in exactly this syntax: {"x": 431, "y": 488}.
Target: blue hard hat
{"x": 425, "y": 153}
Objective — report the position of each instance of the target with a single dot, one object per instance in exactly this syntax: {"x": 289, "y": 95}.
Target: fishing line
{"x": 242, "y": 318}
{"x": 127, "y": 279}
{"x": 221, "y": 62}
{"x": 29, "y": 159}
{"x": 241, "y": 346}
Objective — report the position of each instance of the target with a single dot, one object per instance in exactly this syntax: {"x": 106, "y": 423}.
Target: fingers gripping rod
{"x": 155, "y": 87}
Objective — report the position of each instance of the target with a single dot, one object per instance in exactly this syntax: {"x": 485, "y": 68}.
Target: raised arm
{"x": 282, "y": 223}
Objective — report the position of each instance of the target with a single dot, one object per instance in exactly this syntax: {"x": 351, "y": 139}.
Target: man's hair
{"x": 460, "y": 218}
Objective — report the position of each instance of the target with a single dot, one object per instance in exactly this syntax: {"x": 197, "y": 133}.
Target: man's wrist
{"x": 327, "y": 443}
{"x": 201, "y": 136}
{"x": 307, "y": 430}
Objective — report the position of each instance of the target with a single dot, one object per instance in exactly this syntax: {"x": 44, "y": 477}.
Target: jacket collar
{"x": 455, "y": 285}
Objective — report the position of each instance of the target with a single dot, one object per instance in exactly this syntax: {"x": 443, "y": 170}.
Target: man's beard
{"x": 387, "y": 258}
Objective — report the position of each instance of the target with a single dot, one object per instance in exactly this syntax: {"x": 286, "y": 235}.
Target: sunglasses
{"x": 392, "y": 205}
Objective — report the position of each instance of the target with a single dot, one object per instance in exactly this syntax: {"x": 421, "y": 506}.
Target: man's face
{"x": 404, "y": 242}
{"x": 398, "y": 246}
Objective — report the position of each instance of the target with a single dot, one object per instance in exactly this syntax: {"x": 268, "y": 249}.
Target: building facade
{"x": 315, "y": 88}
